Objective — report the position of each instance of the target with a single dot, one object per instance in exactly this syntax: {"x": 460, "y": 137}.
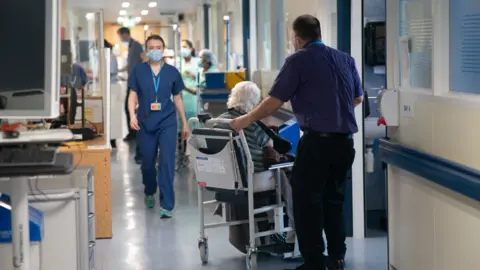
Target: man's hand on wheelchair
{"x": 240, "y": 122}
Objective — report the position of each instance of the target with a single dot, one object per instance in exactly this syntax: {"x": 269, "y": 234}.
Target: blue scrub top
{"x": 171, "y": 84}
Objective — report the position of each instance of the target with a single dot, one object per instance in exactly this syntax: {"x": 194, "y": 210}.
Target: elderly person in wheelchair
{"x": 243, "y": 98}
{"x": 252, "y": 191}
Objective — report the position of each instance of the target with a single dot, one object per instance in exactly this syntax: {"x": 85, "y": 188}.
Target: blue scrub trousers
{"x": 164, "y": 140}
{"x": 138, "y": 154}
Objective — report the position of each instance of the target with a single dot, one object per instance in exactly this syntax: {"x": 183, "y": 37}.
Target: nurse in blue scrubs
{"x": 156, "y": 87}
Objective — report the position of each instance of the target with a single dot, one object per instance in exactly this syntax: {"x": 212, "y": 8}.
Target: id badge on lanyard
{"x": 156, "y": 106}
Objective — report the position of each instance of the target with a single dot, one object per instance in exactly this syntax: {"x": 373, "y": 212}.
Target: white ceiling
{"x": 111, "y": 8}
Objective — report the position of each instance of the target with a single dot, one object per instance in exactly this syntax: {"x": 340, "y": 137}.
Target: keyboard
{"x": 18, "y": 157}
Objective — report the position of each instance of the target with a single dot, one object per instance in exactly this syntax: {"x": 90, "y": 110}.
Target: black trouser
{"x": 318, "y": 187}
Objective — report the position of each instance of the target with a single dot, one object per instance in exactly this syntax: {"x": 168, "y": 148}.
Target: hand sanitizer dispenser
{"x": 387, "y": 101}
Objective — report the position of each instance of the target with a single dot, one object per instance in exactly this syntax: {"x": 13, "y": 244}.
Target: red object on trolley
{"x": 10, "y": 127}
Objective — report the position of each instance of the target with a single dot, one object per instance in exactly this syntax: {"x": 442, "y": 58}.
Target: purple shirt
{"x": 321, "y": 84}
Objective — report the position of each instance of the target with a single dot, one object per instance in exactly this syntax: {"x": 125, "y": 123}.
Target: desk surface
{"x": 98, "y": 144}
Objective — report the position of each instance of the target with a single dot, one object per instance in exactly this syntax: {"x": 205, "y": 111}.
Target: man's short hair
{"x": 307, "y": 27}
{"x": 123, "y": 30}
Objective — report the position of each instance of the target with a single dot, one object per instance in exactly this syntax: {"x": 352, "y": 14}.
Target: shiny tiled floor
{"x": 141, "y": 241}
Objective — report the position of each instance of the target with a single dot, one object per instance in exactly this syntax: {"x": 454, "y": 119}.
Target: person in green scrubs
{"x": 190, "y": 73}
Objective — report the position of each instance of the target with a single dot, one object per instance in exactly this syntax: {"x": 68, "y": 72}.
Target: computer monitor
{"x": 29, "y": 59}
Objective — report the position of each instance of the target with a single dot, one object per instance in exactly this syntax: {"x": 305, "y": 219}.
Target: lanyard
{"x": 156, "y": 83}
{"x": 318, "y": 42}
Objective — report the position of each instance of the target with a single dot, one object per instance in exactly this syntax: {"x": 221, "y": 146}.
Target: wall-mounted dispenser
{"x": 388, "y": 102}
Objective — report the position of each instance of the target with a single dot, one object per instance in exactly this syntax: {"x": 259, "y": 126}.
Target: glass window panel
{"x": 465, "y": 46}
{"x": 416, "y": 33}
{"x": 264, "y": 35}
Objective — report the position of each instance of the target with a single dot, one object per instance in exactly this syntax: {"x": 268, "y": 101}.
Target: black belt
{"x": 307, "y": 131}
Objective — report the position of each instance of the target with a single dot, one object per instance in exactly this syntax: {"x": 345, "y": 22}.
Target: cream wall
{"x": 442, "y": 126}
{"x": 431, "y": 227}
{"x": 443, "y": 122}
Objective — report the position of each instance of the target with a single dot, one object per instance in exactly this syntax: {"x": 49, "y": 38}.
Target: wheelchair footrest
{"x": 276, "y": 249}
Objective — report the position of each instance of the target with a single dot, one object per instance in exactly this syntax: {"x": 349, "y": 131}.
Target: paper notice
{"x": 210, "y": 165}
{"x": 204, "y": 165}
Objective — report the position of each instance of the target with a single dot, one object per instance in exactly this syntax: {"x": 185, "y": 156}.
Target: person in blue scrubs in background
{"x": 152, "y": 85}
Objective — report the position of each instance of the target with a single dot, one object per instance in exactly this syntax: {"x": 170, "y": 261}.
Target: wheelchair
{"x": 222, "y": 163}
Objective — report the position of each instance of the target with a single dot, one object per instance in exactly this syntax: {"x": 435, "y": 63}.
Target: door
{"x": 349, "y": 40}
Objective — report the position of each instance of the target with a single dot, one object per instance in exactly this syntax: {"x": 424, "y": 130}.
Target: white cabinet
{"x": 67, "y": 203}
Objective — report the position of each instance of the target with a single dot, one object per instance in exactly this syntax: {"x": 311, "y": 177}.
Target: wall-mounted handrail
{"x": 443, "y": 172}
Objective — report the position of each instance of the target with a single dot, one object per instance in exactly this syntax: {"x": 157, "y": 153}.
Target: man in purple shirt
{"x": 324, "y": 88}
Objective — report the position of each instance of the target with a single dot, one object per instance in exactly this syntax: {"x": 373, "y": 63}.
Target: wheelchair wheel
{"x": 203, "y": 248}
{"x": 251, "y": 260}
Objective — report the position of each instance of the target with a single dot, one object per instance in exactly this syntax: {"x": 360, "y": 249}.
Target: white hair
{"x": 208, "y": 56}
{"x": 244, "y": 96}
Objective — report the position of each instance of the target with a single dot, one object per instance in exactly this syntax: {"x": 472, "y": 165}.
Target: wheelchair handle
{"x": 195, "y": 120}
{"x": 219, "y": 121}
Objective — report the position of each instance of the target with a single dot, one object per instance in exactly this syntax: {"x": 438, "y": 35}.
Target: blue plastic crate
{"x": 215, "y": 80}
{"x": 35, "y": 217}
{"x": 290, "y": 131}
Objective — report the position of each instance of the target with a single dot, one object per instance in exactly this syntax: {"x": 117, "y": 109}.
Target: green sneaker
{"x": 165, "y": 213}
{"x": 149, "y": 201}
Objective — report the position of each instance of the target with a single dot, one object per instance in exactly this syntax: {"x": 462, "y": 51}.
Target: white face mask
{"x": 185, "y": 52}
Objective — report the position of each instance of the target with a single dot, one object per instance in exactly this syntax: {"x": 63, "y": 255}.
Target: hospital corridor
{"x": 142, "y": 241}
{"x": 239, "y": 135}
